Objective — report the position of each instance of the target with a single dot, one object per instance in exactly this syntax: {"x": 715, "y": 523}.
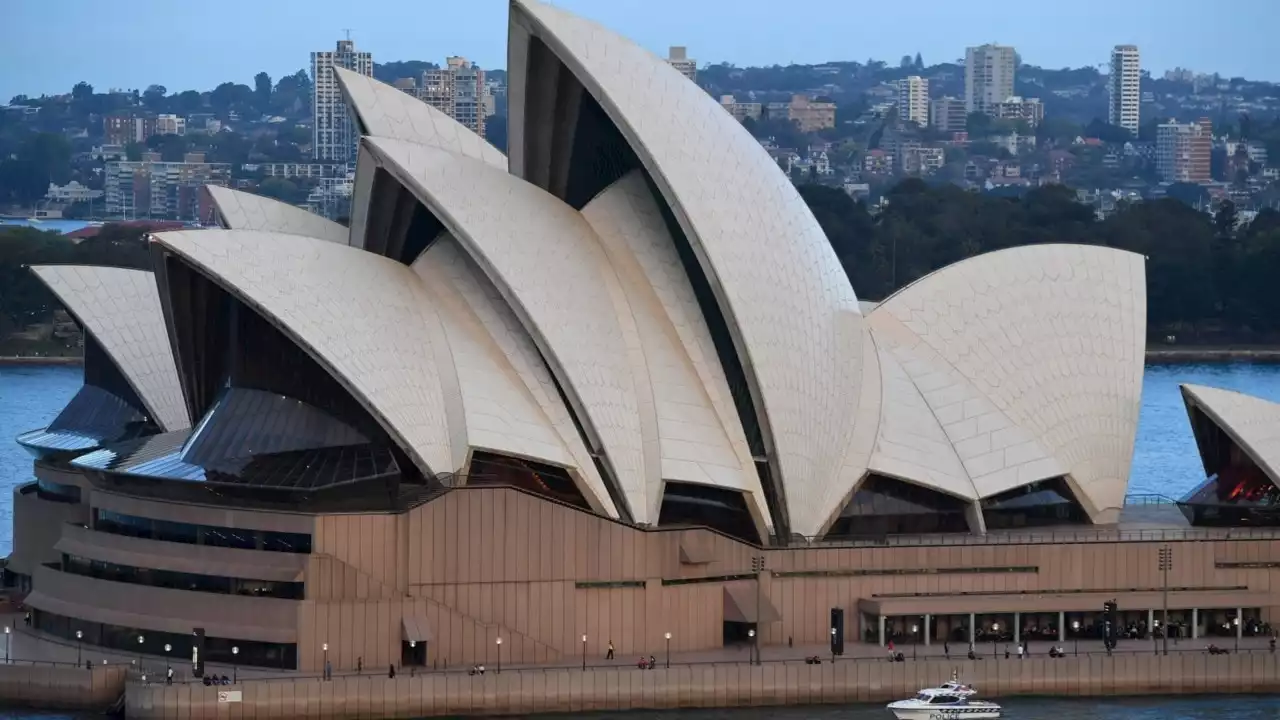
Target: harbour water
{"x": 55, "y": 225}
{"x": 1165, "y": 463}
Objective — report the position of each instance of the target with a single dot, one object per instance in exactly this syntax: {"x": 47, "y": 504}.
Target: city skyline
{"x": 757, "y": 33}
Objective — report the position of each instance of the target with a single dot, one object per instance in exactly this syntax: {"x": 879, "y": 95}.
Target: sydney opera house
{"x": 611, "y": 388}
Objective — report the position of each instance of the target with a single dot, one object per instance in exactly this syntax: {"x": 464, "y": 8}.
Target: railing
{"x": 255, "y": 675}
{"x": 1140, "y": 499}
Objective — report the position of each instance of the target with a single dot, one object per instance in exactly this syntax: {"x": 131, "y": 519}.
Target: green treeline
{"x": 1210, "y": 279}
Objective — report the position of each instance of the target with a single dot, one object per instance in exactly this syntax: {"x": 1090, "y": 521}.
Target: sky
{"x": 46, "y": 46}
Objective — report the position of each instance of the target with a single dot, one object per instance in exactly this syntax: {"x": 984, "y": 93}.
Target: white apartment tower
{"x": 913, "y": 100}
{"x": 332, "y": 136}
{"x": 458, "y": 90}
{"x": 1125, "y": 88}
{"x": 988, "y": 77}
{"x": 678, "y": 58}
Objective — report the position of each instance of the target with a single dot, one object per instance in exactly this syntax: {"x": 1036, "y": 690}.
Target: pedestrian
{"x": 168, "y": 676}
{"x": 328, "y": 670}
{"x": 360, "y": 664}
{"x": 609, "y": 655}
{"x": 946, "y": 649}
{"x": 391, "y": 671}
{"x": 1019, "y": 651}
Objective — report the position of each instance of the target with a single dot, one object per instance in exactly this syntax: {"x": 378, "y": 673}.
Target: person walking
{"x": 328, "y": 670}
{"x": 1019, "y": 651}
{"x": 609, "y": 655}
{"x": 946, "y": 649}
{"x": 168, "y": 675}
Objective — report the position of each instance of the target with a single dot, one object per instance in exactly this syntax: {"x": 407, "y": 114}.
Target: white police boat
{"x": 950, "y": 701}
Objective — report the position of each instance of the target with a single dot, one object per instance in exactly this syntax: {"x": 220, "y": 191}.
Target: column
{"x": 1062, "y": 626}
{"x": 972, "y": 629}
{"x": 927, "y": 618}
{"x": 1239, "y": 621}
{"x": 1017, "y": 628}
{"x": 881, "y": 631}
{"x": 1195, "y": 623}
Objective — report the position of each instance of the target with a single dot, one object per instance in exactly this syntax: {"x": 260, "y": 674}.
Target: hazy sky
{"x": 46, "y": 46}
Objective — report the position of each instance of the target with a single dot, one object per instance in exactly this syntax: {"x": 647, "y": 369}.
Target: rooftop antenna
{"x": 348, "y": 32}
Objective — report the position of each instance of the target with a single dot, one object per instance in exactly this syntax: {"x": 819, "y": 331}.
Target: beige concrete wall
{"x": 501, "y": 562}
{"x": 61, "y": 687}
{"x": 528, "y": 692}
{"x": 37, "y": 526}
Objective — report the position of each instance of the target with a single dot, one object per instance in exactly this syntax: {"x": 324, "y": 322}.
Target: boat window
{"x": 944, "y": 699}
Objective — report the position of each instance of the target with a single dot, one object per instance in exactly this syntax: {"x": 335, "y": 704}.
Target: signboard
{"x": 228, "y": 696}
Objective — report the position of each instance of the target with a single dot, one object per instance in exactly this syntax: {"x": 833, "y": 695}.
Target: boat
{"x": 952, "y": 700}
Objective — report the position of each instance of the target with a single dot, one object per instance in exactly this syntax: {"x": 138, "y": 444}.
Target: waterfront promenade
{"x": 774, "y": 683}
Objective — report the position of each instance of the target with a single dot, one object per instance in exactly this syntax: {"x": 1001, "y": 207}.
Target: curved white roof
{"x": 246, "y": 211}
{"x": 505, "y": 397}
{"x": 546, "y": 261}
{"x": 1253, "y": 423}
{"x": 386, "y": 111}
{"x": 1030, "y": 360}
{"x": 121, "y": 309}
{"x": 786, "y": 299}
{"x": 358, "y": 314}
{"x": 700, "y": 436}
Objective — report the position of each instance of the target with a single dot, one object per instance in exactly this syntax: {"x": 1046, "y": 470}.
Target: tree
{"x": 262, "y": 91}
{"x": 171, "y": 147}
{"x": 282, "y": 190}
{"x": 978, "y": 124}
{"x": 1106, "y": 132}
{"x": 133, "y": 152}
{"x": 906, "y": 62}
{"x": 153, "y": 97}
{"x": 919, "y": 62}
{"x": 82, "y": 91}
{"x": 188, "y": 102}
{"x": 229, "y": 96}
{"x": 1225, "y": 219}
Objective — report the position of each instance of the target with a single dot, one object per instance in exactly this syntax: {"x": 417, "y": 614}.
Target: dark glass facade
{"x": 252, "y": 653}
{"x": 716, "y": 508}
{"x": 169, "y": 531}
{"x": 179, "y": 580}
{"x": 546, "y": 480}
{"x": 884, "y": 506}
{"x": 57, "y": 492}
{"x": 1041, "y": 504}
{"x": 1237, "y": 492}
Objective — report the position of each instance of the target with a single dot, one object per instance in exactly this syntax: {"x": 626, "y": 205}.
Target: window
{"x": 191, "y": 582}
{"x": 189, "y": 534}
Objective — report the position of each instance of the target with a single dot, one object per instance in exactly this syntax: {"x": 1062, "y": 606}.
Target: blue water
{"x": 1165, "y": 460}
{"x": 59, "y": 226}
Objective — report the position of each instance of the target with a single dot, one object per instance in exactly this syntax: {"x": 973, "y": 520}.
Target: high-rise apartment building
{"x": 678, "y": 58}
{"x": 947, "y": 114}
{"x": 332, "y": 135}
{"x": 913, "y": 100}
{"x": 1183, "y": 151}
{"x": 988, "y": 77}
{"x": 1125, "y": 88}
{"x": 458, "y": 90}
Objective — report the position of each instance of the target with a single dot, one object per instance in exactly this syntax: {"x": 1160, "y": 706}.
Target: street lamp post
{"x": 79, "y": 647}
{"x": 668, "y": 650}
{"x": 1235, "y": 625}
{"x": 235, "y": 664}
{"x": 757, "y": 567}
{"x": 1166, "y": 564}
{"x": 751, "y": 651}
{"x": 833, "y": 646}
{"x": 499, "y": 643}
{"x": 7, "y": 630}
{"x": 1155, "y": 638}
{"x": 1075, "y": 632}
{"x": 140, "y": 641}
{"x": 325, "y": 667}
{"x": 915, "y": 630}
{"x": 584, "y": 652}
{"x": 995, "y": 639}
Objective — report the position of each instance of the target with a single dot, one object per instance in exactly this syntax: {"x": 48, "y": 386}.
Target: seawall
{"x": 61, "y": 686}
{"x": 523, "y": 692}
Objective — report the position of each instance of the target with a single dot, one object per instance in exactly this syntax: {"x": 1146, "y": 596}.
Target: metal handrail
{"x": 1059, "y": 536}
{"x": 159, "y": 679}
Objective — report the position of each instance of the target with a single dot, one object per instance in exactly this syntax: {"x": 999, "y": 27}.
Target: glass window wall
{"x": 179, "y": 580}
{"x": 190, "y": 534}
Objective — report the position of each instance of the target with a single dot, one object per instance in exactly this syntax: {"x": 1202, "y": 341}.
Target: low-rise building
{"x": 150, "y": 188}
{"x": 877, "y": 162}
{"x": 71, "y": 192}
{"x": 122, "y": 129}
{"x": 808, "y": 114}
{"x": 918, "y": 160}
{"x": 170, "y": 125}
{"x": 741, "y": 110}
{"x": 1030, "y": 110}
